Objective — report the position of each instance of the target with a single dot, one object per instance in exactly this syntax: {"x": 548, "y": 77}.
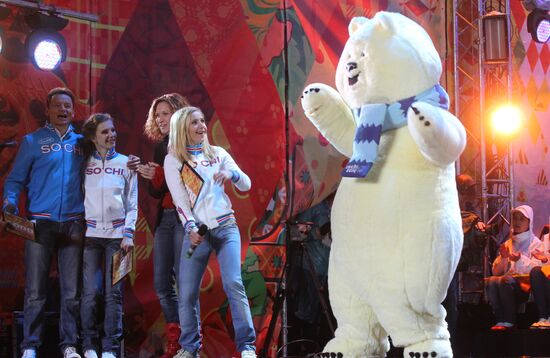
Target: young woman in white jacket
{"x": 188, "y": 144}
{"x": 110, "y": 205}
{"x": 515, "y": 257}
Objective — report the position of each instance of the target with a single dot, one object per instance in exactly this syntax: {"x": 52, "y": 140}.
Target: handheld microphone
{"x": 203, "y": 229}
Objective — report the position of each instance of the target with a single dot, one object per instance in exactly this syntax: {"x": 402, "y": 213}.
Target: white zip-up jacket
{"x": 525, "y": 244}
{"x": 111, "y": 196}
{"x": 213, "y": 206}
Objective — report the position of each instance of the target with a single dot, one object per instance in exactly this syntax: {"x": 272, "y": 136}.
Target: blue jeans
{"x": 66, "y": 239}
{"x": 97, "y": 288}
{"x": 226, "y": 242}
{"x": 504, "y": 295}
{"x": 166, "y": 262}
{"x": 540, "y": 288}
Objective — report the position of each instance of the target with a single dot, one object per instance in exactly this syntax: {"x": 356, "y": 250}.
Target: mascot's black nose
{"x": 351, "y": 66}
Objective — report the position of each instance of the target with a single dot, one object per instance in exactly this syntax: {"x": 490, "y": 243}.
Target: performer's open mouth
{"x": 353, "y": 80}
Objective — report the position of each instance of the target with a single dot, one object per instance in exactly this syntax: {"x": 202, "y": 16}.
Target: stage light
{"x": 44, "y": 20}
{"x": 495, "y": 34}
{"x": 538, "y": 25}
{"x": 46, "y": 49}
{"x": 506, "y": 120}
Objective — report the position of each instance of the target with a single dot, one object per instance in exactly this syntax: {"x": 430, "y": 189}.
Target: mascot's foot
{"x": 332, "y": 355}
{"x": 440, "y": 348}
{"x": 326, "y": 355}
{"x": 352, "y": 348}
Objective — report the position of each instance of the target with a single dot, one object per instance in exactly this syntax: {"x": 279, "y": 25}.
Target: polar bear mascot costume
{"x": 395, "y": 218}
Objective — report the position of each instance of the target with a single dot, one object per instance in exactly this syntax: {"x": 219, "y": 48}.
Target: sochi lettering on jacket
{"x": 98, "y": 170}
{"x": 205, "y": 163}
{"x": 56, "y": 147}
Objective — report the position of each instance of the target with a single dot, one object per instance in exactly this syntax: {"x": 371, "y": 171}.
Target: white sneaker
{"x": 543, "y": 323}
{"x": 29, "y": 353}
{"x": 70, "y": 352}
{"x": 108, "y": 355}
{"x": 248, "y": 354}
{"x": 90, "y": 353}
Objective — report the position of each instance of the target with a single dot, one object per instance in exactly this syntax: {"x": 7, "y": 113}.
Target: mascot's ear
{"x": 385, "y": 24}
{"x": 356, "y": 23}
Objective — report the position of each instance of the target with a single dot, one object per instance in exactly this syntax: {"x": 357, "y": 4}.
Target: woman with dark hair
{"x": 110, "y": 203}
{"x": 168, "y": 230}
{"x": 210, "y": 225}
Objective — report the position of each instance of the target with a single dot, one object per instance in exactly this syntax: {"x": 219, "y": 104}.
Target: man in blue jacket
{"x": 48, "y": 166}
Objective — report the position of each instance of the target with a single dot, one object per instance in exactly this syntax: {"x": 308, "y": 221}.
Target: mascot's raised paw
{"x": 317, "y": 98}
{"x": 326, "y": 109}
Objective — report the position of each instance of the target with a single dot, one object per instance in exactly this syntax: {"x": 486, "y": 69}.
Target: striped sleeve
{"x": 130, "y": 203}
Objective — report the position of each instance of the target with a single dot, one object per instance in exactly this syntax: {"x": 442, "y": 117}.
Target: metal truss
{"x": 479, "y": 87}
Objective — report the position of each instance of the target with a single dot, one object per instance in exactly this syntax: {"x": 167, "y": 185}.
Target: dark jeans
{"x": 540, "y": 287}
{"x": 504, "y": 295}
{"x": 450, "y": 303}
{"x": 97, "y": 286}
{"x": 166, "y": 254}
{"x": 65, "y": 239}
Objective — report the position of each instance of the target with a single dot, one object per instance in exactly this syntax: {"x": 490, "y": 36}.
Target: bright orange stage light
{"x": 507, "y": 120}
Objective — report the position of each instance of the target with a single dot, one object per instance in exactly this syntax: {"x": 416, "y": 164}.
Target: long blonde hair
{"x": 179, "y": 138}
{"x": 175, "y": 101}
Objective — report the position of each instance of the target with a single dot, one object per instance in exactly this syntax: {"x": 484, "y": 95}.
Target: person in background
{"x": 515, "y": 257}
{"x": 111, "y": 201}
{"x": 188, "y": 145}
{"x": 472, "y": 250}
{"x": 313, "y": 228}
{"x": 539, "y": 278}
{"x": 48, "y": 165}
{"x": 169, "y": 231}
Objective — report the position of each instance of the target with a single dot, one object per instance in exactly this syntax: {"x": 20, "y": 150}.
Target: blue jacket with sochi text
{"x": 49, "y": 167}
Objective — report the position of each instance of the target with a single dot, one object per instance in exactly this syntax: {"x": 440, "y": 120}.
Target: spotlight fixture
{"x": 46, "y": 47}
{"x": 495, "y": 34}
{"x": 44, "y": 20}
{"x": 538, "y": 25}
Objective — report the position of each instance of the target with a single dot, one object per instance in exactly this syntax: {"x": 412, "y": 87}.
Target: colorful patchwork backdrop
{"x": 226, "y": 57}
{"x": 531, "y": 90}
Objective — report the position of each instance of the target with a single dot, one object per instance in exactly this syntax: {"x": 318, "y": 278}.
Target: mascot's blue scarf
{"x": 374, "y": 119}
